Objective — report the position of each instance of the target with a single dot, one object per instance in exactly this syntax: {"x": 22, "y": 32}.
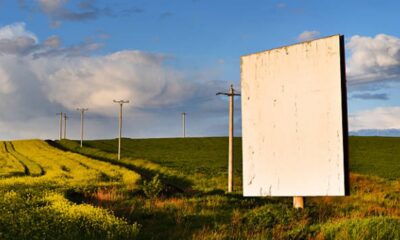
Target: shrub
{"x": 152, "y": 188}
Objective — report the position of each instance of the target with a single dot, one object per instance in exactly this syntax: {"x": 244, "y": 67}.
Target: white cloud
{"x": 308, "y": 35}
{"x": 377, "y": 118}
{"x": 96, "y": 81}
{"x": 15, "y": 31}
{"x": 373, "y": 59}
{"x": 15, "y": 39}
{"x": 50, "y": 78}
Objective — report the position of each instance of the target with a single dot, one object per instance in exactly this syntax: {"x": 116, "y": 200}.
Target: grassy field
{"x": 202, "y": 210}
{"x": 199, "y": 161}
{"x": 379, "y": 156}
{"x": 205, "y": 158}
{"x": 175, "y": 189}
{"x": 39, "y": 195}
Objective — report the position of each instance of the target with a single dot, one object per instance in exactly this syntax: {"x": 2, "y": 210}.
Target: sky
{"x": 169, "y": 57}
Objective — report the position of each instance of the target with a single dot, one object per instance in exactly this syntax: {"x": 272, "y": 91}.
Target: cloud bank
{"x": 41, "y": 78}
{"x": 377, "y": 118}
{"x": 373, "y": 59}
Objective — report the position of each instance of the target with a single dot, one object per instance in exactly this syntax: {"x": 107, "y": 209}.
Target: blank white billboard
{"x": 294, "y": 120}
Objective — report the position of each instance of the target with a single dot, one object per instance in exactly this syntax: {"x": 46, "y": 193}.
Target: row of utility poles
{"x": 63, "y": 116}
{"x": 231, "y": 94}
{"x": 120, "y": 102}
{"x": 82, "y": 111}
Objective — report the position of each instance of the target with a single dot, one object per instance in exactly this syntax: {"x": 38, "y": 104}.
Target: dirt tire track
{"x": 9, "y": 146}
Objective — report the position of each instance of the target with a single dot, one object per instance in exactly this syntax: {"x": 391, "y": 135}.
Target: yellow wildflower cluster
{"x": 36, "y": 178}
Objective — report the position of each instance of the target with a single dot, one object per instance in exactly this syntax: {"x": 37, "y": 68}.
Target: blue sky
{"x": 172, "y": 56}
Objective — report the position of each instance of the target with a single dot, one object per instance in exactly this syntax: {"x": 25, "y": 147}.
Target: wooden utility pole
{"x": 183, "y": 125}
{"x": 231, "y": 95}
{"x": 120, "y": 102}
{"x": 61, "y": 120}
{"x": 65, "y": 125}
{"x": 82, "y": 110}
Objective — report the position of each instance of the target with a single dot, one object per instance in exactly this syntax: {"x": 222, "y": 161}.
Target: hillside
{"x": 379, "y": 156}
{"x": 175, "y": 189}
{"x": 372, "y": 210}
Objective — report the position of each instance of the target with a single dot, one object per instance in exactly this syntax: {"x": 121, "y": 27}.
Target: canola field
{"x": 40, "y": 184}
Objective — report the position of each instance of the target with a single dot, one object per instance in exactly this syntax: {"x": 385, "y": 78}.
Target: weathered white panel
{"x": 293, "y": 121}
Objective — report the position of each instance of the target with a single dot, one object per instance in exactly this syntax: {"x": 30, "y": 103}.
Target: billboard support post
{"x": 298, "y": 202}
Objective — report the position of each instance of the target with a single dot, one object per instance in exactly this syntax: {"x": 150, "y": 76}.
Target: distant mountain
{"x": 376, "y": 132}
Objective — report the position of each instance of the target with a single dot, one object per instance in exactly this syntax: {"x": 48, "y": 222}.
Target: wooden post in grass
{"x": 231, "y": 95}
{"x": 61, "y": 120}
{"x": 298, "y": 202}
{"x": 82, "y": 110}
{"x": 120, "y": 102}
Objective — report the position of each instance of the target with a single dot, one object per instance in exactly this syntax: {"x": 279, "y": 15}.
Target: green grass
{"x": 366, "y": 228}
{"x": 189, "y": 155}
{"x": 378, "y": 156}
{"x": 204, "y": 160}
{"x": 200, "y": 161}
{"x": 210, "y": 213}
{"x": 65, "y": 195}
